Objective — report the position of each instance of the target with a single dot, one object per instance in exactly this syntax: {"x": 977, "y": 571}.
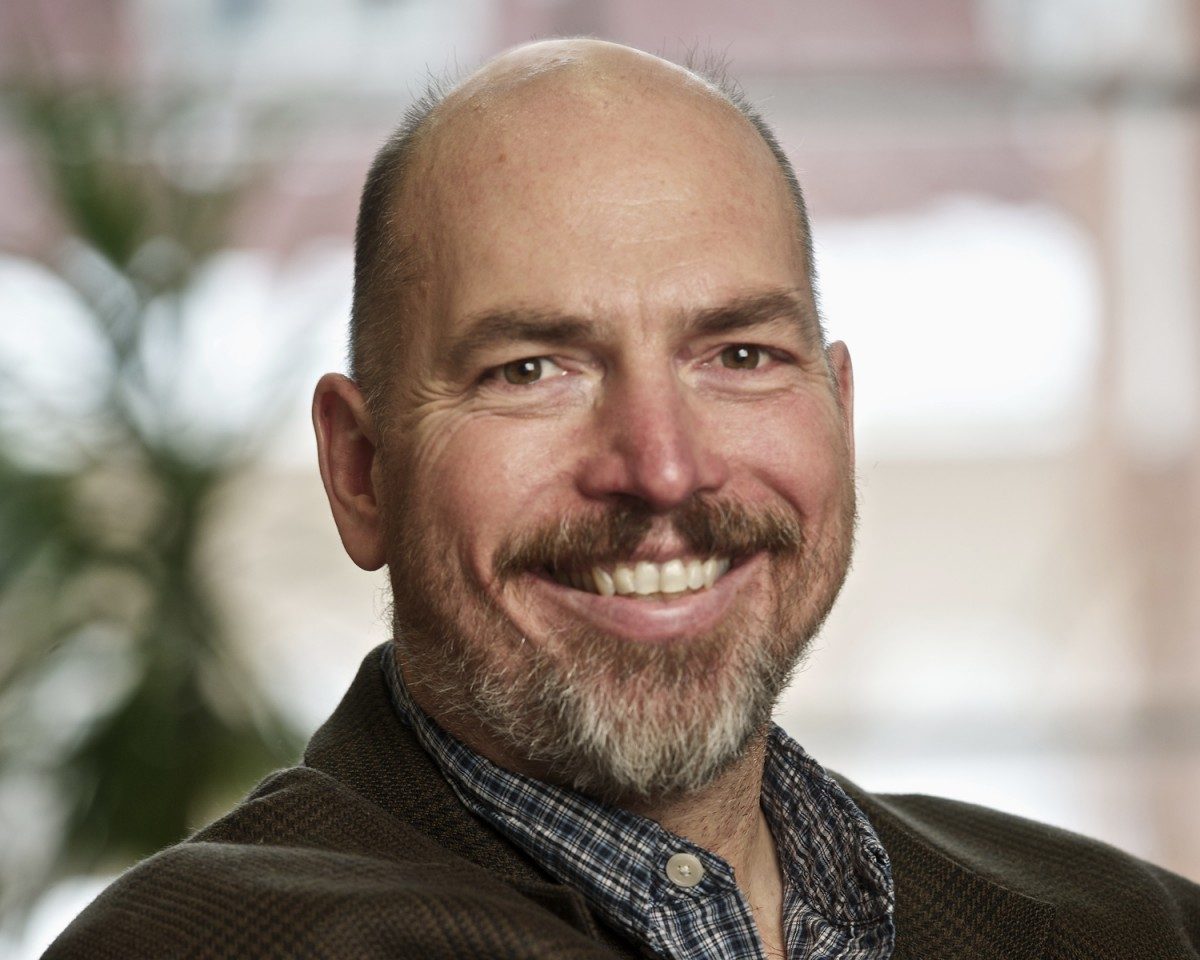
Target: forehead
{"x": 622, "y": 195}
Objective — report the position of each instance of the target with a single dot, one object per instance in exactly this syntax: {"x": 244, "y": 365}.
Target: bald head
{"x": 564, "y": 136}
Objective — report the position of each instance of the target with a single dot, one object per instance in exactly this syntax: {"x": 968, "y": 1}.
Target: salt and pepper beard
{"x": 615, "y": 719}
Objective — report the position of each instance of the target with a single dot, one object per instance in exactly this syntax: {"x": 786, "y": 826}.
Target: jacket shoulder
{"x": 306, "y": 867}
{"x": 1095, "y": 889}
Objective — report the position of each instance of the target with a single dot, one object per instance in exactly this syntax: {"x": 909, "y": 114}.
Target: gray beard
{"x": 619, "y": 721}
{"x": 614, "y": 723}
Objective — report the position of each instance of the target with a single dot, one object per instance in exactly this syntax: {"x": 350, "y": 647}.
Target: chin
{"x": 545, "y": 686}
{"x": 623, "y": 722}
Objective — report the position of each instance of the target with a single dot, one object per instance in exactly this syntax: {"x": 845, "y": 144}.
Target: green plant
{"x": 124, "y": 705}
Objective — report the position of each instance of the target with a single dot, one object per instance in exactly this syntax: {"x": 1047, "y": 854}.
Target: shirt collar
{"x": 835, "y": 866}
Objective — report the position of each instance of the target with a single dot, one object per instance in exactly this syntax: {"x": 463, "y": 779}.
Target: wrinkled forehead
{"x": 595, "y": 160}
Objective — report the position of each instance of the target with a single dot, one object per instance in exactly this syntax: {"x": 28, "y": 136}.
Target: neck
{"x": 726, "y": 818}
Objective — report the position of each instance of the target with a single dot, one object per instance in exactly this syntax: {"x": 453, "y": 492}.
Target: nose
{"x": 650, "y": 442}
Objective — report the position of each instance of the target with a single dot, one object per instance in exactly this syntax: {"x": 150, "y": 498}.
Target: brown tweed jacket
{"x": 364, "y": 852}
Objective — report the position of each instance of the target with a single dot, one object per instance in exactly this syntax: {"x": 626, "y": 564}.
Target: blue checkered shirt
{"x": 838, "y": 896}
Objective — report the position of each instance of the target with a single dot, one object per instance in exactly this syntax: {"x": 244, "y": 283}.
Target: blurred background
{"x": 1005, "y": 197}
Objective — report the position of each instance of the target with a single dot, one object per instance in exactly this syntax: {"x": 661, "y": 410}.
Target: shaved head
{"x": 586, "y": 332}
{"x": 566, "y": 97}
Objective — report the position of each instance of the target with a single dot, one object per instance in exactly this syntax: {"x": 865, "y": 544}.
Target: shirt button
{"x": 684, "y": 870}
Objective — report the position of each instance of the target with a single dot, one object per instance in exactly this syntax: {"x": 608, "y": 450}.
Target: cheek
{"x": 481, "y": 479}
{"x": 795, "y": 447}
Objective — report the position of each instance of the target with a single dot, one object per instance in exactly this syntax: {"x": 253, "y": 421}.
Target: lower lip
{"x": 653, "y": 620}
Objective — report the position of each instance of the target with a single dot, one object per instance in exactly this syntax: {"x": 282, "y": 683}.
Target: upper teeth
{"x": 644, "y": 577}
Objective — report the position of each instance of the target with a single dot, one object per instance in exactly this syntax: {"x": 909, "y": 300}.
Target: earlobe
{"x": 346, "y": 452}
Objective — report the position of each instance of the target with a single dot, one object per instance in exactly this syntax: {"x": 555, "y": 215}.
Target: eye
{"x": 743, "y": 356}
{"x": 529, "y": 370}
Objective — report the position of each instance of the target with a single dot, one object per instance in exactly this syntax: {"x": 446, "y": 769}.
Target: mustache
{"x": 707, "y": 526}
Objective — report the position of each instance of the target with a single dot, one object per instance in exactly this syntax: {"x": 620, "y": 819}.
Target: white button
{"x": 684, "y": 870}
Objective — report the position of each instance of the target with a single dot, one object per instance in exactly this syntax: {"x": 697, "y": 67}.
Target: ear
{"x": 843, "y": 375}
{"x": 346, "y": 451}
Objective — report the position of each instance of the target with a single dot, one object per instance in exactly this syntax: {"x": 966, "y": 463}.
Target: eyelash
{"x": 765, "y": 356}
{"x": 498, "y": 373}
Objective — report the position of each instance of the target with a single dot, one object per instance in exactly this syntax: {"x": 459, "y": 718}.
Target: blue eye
{"x": 742, "y": 356}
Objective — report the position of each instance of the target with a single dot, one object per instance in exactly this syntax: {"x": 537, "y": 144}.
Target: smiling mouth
{"x": 646, "y": 578}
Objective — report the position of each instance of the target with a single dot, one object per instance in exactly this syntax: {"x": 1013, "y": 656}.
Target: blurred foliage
{"x": 124, "y": 707}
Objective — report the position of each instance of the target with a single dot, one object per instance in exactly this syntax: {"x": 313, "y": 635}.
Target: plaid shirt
{"x": 838, "y": 896}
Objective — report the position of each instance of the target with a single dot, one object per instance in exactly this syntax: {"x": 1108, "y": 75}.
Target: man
{"x": 597, "y": 435}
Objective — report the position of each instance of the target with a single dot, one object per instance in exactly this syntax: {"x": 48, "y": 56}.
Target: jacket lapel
{"x": 365, "y": 746}
{"x": 944, "y": 909}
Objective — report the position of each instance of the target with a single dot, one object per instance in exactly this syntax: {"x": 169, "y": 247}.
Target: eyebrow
{"x": 496, "y": 328}
{"x": 757, "y": 310}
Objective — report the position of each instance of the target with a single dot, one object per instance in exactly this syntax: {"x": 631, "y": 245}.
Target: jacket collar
{"x": 945, "y": 910}
{"x": 946, "y": 907}
{"x": 365, "y": 746}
